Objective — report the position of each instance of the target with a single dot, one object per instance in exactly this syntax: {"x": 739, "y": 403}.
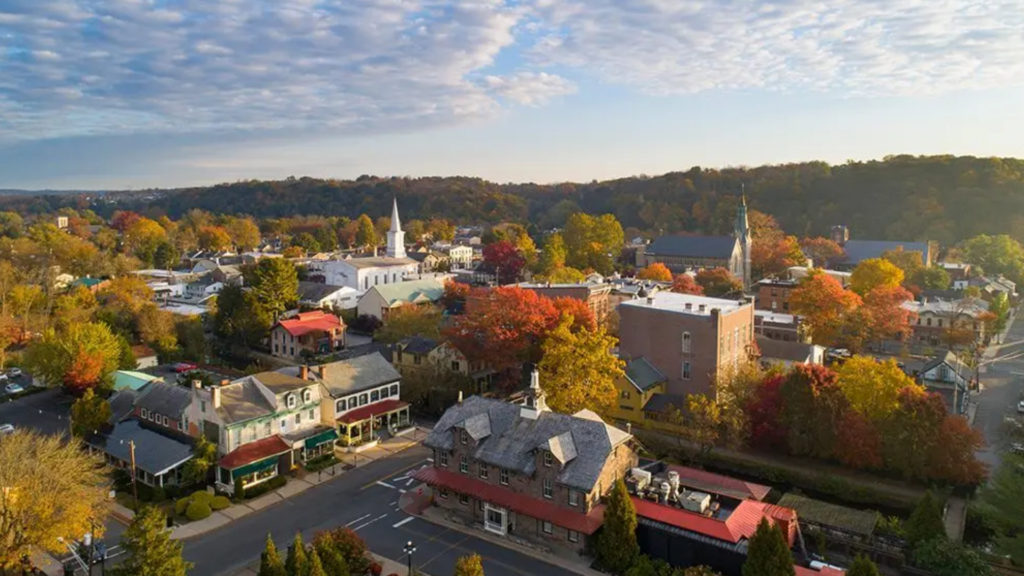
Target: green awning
{"x": 255, "y": 467}
{"x": 318, "y": 439}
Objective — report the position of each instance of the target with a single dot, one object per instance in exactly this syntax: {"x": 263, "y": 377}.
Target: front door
{"x": 494, "y": 519}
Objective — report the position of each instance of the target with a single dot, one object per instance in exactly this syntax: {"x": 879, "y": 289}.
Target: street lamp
{"x": 409, "y": 549}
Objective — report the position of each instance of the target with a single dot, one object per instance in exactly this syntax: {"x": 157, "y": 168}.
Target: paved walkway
{"x": 955, "y": 518}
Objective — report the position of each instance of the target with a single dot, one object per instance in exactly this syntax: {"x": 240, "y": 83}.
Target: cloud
{"x": 899, "y": 47}
{"x": 529, "y": 88}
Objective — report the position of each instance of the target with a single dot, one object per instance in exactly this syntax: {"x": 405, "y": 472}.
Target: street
{"x": 47, "y": 412}
{"x": 1003, "y": 383}
{"x": 366, "y": 500}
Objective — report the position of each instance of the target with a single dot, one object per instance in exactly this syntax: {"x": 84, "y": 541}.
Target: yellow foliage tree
{"x": 469, "y": 566}
{"x": 578, "y": 369}
{"x": 873, "y": 387}
{"x": 656, "y": 271}
{"x": 875, "y": 272}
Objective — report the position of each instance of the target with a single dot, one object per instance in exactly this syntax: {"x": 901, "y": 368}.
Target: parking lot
{"x": 47, "y": 412}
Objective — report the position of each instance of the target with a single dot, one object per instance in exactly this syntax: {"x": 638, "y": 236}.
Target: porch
{"x": 364, "y": 424}
{"x": 255, "y": 462}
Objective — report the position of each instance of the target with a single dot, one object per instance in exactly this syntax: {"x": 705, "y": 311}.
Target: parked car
{"x": 1017, "y": 448}
{"x": 182, "y": 367}
{"x": 6, "y": 429}
{"x": 13, "y": 388}
{"x": 14, "y": 372}
{"x": 1020, "y": 407}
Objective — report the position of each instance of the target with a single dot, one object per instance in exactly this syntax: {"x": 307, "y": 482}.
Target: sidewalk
{"x": 416, "y": 502}
{"x": 388, "y": 566}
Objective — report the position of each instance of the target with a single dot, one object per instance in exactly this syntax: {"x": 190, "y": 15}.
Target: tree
{"x": 149, "y": 548}
{"x": 142, "y": 238}
{"x": 578, "y": 369}
{"x": 582, "y": 315}
{"x": 931, "y": 278}
{"x": 454, "y": 298}
{"x": 270, "y": 560}
{"x": 240, "y": 317}
{"x": 274, "y": 283}
{"x": 925, "y": 522}
{"x": 685, "y": 284}
{"x": 656, "y": 271}
{"x": 873, "y": 273}
{"x": 995, "y": 255}
{"x": 89, "y": 413}
{"x": 699, "y": 422}
{"x": 166, "y": 256}
{"x": 768, "y": 553}
{"x": 821, "y": 251}
{"x": 941, "y": 557}
{"x": 1003, "y": 499}
{"x": 408, "y": 321}
{"x": 552, "y": 256}
{"x": 718, "y": 282}
{"x": 1000, "y": 308}
{"x": 872, "y": 387}
{"x": 563, "y": 275}
{"x": 214, "y": 238}
{"x": 244, "y": 233}
{"x": 348, "y": 544}
{"x": 504, "y": 260}
{"x": 366, "y": 234}
{"x": 911, "y": 262}
{"x": 863, "y": 566}
{"x": 204, "y": 455}
{"x": 469, "y": 566}
{"x": 81, "y": 357}
{"x": 592, "y": 242}
{"x": 334, "y": 563}
{"x": 773, "y": 256}
{"x": 11, "y": 224}
{"x": 811, "y": 405}
{"x": 883, "y": 314}
{"x": 617, "y": 547}
{"x": 824, "y": 305}
{"x": 297, "y": 561}
{"x": 51, "y": 489}
{"x": 764, "y": 412}
{"x": 316, "y": 568}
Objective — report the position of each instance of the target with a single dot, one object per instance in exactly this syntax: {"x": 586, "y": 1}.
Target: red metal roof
{"x": 515, "y": 501}
{"x": 371, "y": 410}
{"x": 801, "y": 571}
{"x": 315, "y": 321}
{"x": 254, "y": 452}
{"x": 740, "y": 524}
{"x": 718, "y": 484}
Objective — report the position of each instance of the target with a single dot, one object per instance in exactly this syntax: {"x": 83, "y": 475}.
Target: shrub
{"x": 197, "y": 511}
{"x": 376, "y": 568}
{"x": 219, "y": 503}
{"x": 261, "y": 489}
{"x": 321, "y": 462}
{"x": 202, "y": 496}
{"x": 181, "y": 505}
{"x": 158, "y": 494}
{"x": 172, "y": 492}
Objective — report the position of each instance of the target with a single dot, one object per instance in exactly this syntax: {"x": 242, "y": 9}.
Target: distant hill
{"x": 943, "y": 198}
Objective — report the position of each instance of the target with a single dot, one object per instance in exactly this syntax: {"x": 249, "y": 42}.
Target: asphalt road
{"x": 1003, "y": 384}
{"x": 366, "y": 500}
{"x": 46, "y": 412}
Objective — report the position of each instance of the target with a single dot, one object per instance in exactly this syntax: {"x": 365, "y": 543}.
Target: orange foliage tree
{"x": 685, "y": 284}
{"x": 825, "y": 307}
{"x": 656, "y": 271}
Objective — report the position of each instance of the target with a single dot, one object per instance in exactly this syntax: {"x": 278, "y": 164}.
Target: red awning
{"x": 367, "y": 412}
{"x": 254, "y": 452}
{"x": 506, "y": 498}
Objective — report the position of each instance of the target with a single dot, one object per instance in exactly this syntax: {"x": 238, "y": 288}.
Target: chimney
{"x": 197, "y": 384}
{"x": 322, "y": 371}
{"x": 215, "y": 397}
{"x": 460, "y": 397}
{"x": 304, "y": 372}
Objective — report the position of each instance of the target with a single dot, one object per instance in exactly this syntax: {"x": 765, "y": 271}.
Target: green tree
{"x": 941, "y": 557}
{"x": 81, "y": 357}
{"x": 334, "y": 561}
{"x": 577, "y": 369}
{"x": 1000, "y": 308}
{"x": 274, "y": 283}
{"x": 768, "y": 553}
{"x": 863, "y": 566}
{"x": 166, "y": 256}
{"x": 11, "y": 224}
{"x": 407, "y": 321}
{"x": 270, "y": 560}
{"x": 617, "y": 548}
{"x": 316, "y": 568}
{"x": 240, "y": 317}
{"x": 90, "y": 413}
{"x": 366, "y": 234}
{"x": 925, "y": 521}
{"x": 552, "y": 256}
{"x": 149, "y": 548}
{"x": 196, "y": 470}
{"x": 1003, "y": 499}
{"x": 931, "y": 278}
{"x": 996, "y": 255}
{"x": 593, "y": 242}
{"x": 469, "y": 566}
{"x": 297, "y": 561}
{"x": 873, "y": 273}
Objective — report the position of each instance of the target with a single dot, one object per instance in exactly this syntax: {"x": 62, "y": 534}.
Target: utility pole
{"x": 135, "y": 488}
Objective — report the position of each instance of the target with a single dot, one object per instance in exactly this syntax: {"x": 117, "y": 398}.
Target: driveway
{"x": 1003, "y": 383}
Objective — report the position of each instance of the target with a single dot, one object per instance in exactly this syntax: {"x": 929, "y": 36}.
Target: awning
{"x": 254, "y": 467}
{"x": 318, "y": 439}
{"x": 375, "y": 409}
{"x": 254, "y": 452}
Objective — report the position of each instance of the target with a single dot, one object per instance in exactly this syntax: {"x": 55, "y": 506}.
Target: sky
{"x": 122, "y": 94}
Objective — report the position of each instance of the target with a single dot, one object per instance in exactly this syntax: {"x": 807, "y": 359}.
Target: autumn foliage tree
{"x": 812, "y": 403}
{"x": 821, "y": 250}
{"x": 824, "y": 305}
{"x": 656, "y": 271}
{"x": 685, "y": 284}
{"x": 874, "y": 273}
{"x": 718, "y": 282}
{"x": 504, "y": 260}
{"x": 78, "y": 358}
{"x": 578, "y": 369}
{"x": 773, "y": 256}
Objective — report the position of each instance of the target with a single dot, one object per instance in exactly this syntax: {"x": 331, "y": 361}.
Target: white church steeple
{"x": 396, "y": 237}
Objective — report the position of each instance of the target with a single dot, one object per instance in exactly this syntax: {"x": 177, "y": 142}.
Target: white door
{"x": 494, "y": 519}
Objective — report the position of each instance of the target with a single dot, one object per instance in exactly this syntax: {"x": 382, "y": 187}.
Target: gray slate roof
{"x": 163, "y": 398}
{"x": 642, "y": 373}
{"x": 858, "y": 250}
{"x": 951, "y": 360}
{"x": 582, "y": 439}
{"x": 662, "y": 402}
{"x": 315, "y": 291}
{"x": 693, "y": 246}
{"x": 122, "y": 403}
{"x": 419, "y": 345}
{"x": 242, "y": 400}
{"x": 154, "y": 452}
{"x": 352, "y": 375}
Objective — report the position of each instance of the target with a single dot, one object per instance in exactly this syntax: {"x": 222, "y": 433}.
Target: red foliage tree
{"x": 859, "y": 444}
{"x": 685, "y": 284}
{"x": 454, "y": 297}
{"x": 504, "y": 260}
{"x": 953, "y": 459}
{"x": 583, "y": 316}
{"x": 884, "y": 312}
{"x": 85, "y": 371}
{"x": 812, "y": 404}
{"x": 820, "y": 250}
{"x": 764, "y": 413}
{"x": 123, "y": 219}
{"x": 911, "y": 433}
{"x": 772, "y": 256}
{"x": 718, "y": 282}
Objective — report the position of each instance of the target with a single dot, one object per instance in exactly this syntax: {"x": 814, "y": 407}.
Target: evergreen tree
{"x": 768, "y": 553}
{"x": 297, "y": 563}
{"x": 862, "y": 566}
{"x": 617, "y": 546}
{"x": 270, "y": 560}
{"x": 469, "y": 566}
{"x": 315, "y": 567}
{"x": 150, "y": 550}
{"x": 334, "y": 561}
{"x": 925, "y": 522}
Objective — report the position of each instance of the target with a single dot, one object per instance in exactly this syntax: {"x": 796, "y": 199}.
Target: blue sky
{"x": 142, "y": 93}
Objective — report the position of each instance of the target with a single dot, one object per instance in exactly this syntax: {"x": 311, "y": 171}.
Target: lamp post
{"x": 409, "y": 549}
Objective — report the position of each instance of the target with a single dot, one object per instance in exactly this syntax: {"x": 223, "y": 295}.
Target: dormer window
{"x": 290, "y": 401}
{"x": 463, "y": 437}
{"x": 547, "y": 459}
{"x": 307, "y": 396}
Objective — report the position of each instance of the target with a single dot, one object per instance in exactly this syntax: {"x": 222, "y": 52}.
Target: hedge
{"x": 261, "y": 489}
{"x": 219, "y": 502}
{"x": 197, "y": 510}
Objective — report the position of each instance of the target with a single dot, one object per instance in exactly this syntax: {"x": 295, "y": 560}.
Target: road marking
{"x": 385, "y": 484}
{"x": 403, "y": 522}
{"x": 431, "y": 460}
{"x": 365, "y": 524}
{"x": 393, "y": 503}
{"x": 401, "y": 491}
{"x": 391, "y": 474}
{"x": 409, "y": 481}
{"x": 357, "y": 520}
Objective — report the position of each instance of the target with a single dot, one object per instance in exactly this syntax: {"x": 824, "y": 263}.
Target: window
{"x": 503, "y": 477}
{"x": 939, "y": 320}
{"x": 574, "y": 536}
{"x": 464, "y": 465}
{"x": 298, "y": 419}
{"x": 483, "y": 470}
{"x": 310, "y": 414}
{"x": 284, "y": 424}
{"x": 574, "y": 498}
{"x": 624, "y": 394}
{"x": 463, "y": 499}
{"x": 455, "y": 365}
{"x": 363, "y": 399}
{"x": 686, "y": 370}
{"x": 415, "y": 358}
{"x": 375, "y": 396}
{"x": 442, "y": 458}
{"x": 548, "y": 490}
{"x": 340, "y": 405}
{"x": 202, "y": 405}
{"x": 547, "y": 459}
{"x": 166, "y": 421}
{"x": 686, "y": 342}
{"x": 444, "y": 494}
{"x": 290, "y": 400}
{"x": 266, "y": 428}
{"x": 307, "y": 396}
{"x": 546, "y": 527}
{"x": 394, "y": 389}
{"x": 463, "y": 437}
{"x": 384, "y": 392}
{"x": 928, "y": 321}
{"x": 145, "y": 414}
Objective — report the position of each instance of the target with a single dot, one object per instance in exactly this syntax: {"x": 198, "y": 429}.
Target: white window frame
{"x": 464, "y": 465}
{"x": 549, "y": 489}
{"x": 686, "y": 344}
{"x": 503, "y": 477}
{"x": 574, "y": 498}
{"x": 290, "y": 401}
{"x": 483, "y": 472}
{"x": 442, "y": 458}
{"x": 307, "y": 396}
{"x": 546, "y": 527}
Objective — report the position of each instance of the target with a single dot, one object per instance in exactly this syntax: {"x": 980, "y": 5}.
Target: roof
{"x": 739, "y": 525}
{"x": 858, "y": 250}
{"x": 131, "y": 380}
{"x": 785, "y": 350}
{"x": 163, "y": 398}
{"x": 512, "y": 440}
{"x": 642, "y": 374}
{"x": 419, "y": 345}
{"x": 242, "y": 400}
{"x": 87, "y": 282}
{"x": 826, "y": 514}
{"x": 352, "y": 375}
{"x": 122, "y": 403}
{"x": 950, "y": 359}
{"x": 704, "y": 481}
{"x": 969, "y": 306}
{"x": 720, "y": 247}
{"x": 775, "y": 317}
{"x": 315, "y": 291}
{"x": 154, "y": 452}
{"x": 823, "y": 571}
{"x": 516, "y": 501}
{"x": 377, "y": 262}
{"x": 662, "y": 402}
{"x": 254, "y": 452}
{"x": 279, "y": 382}
{"x": 414, "y": 291}
{"x": 313, "y": 321}
{"x": 371, "y": 410}
{"x": 686, "y": 303}
{"x": 142, "y": 351}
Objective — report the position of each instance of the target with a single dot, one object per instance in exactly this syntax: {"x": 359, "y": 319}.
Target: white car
{"x": 1017, "y": 448}
{"x": 13, "y": 388}
{"x": 6, "y": 429}
{"x": 1020, "y": 407}
{"x": 14, "y": 373}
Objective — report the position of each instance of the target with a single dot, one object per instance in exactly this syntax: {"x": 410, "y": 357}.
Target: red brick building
{"x": 315, "y": 332}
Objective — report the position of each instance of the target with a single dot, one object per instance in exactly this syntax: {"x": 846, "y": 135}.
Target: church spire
{"x": 396, "y": 237}
{"x": 396, "y": 224}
